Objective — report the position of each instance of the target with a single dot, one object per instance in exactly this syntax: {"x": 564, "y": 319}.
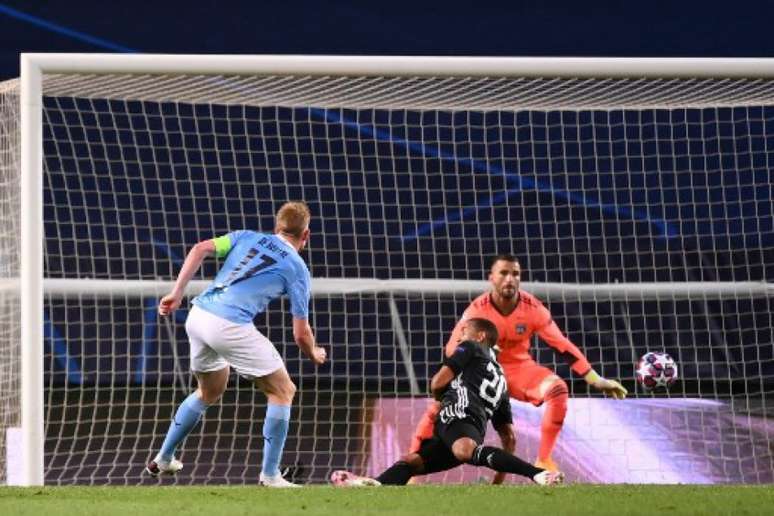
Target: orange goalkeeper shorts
{"x": 524, "y": 379}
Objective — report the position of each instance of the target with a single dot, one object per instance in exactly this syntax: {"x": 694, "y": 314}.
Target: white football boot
{"x": 549, "y": 478}
{"x": 275, "y": 481}
{"x": 158, "y": 467}
{"x": 341, "y": 478}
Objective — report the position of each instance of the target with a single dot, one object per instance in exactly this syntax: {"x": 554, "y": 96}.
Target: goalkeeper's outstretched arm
{"x": 554, "y": 337}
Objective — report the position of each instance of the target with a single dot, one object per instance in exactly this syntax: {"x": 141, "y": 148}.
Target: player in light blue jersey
{"x": 258, "y": 268}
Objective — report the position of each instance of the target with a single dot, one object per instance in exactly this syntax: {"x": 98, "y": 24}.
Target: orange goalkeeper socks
{"x": 553, "y": 418}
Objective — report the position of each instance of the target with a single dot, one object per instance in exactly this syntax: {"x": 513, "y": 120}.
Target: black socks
{"x": 500, "y": 460}
{"x": 396, "y": 475}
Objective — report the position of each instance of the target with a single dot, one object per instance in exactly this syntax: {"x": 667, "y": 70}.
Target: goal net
{"x": 640, "y": 208}
{"x": 10, "y": 382}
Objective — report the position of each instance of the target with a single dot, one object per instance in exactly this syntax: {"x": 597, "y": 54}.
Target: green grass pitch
{"x": 395, "y": 501}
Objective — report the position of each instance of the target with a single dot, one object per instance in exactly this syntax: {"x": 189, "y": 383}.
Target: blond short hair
{"x": 293, "y": 218}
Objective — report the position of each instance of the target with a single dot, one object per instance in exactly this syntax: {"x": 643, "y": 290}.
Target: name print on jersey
{"x": 271, "y": 246}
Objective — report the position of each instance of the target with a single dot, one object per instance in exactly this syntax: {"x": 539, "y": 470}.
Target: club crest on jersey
{"x": 521, "y": 328}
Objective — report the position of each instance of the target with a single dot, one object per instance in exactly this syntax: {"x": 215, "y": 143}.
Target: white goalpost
{"x": 636, "y": 193}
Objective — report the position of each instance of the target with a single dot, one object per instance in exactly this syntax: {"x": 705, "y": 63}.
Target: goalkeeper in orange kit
{"x": 518, "y": 315}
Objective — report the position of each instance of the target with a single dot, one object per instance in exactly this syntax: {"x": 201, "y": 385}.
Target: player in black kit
{"x": 471, "y": 388}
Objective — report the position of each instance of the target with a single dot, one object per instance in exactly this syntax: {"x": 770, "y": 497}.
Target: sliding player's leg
{"x": 433, "y": 456}
{"x": 504, "y": 462}
{"x": 402, "y": 471}
{"x": 466, "y": 443}
{"x": 280, "y": 391}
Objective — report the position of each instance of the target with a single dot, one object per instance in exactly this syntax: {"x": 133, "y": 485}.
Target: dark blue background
{"x": 532, "y": 27}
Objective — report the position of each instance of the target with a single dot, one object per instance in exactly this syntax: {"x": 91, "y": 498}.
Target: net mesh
{"x": 10, "y": 312}
{"x": 588, "y": 181}
{"x": 420, "y": 93}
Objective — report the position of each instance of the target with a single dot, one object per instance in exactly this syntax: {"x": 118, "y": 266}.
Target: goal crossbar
{"x": 419, "y": 66}
{"x": 689, "y": 290}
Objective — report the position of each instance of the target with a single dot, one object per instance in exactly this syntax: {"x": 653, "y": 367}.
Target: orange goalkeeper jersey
{"x": 516, "y": 329}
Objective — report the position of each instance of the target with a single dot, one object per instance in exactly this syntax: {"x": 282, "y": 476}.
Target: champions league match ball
{"x": 656, "y": 370}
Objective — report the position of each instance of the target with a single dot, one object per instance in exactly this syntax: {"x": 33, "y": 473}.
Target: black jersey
{"x": 478, "y": 392}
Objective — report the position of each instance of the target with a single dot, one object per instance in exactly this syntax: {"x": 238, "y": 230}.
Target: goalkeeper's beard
{"x": 508, "y": 292}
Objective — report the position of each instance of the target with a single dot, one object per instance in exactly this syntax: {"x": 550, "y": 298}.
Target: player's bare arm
{"x": 193, "y": 261}
{"x": 440, "y": 381}
{"x": 304, "y": 337}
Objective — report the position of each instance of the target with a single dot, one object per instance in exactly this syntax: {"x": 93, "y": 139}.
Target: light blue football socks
{"x": 190, "y": 411}
{"x": 188, "y": 414}
{"x": 275, "y": 431}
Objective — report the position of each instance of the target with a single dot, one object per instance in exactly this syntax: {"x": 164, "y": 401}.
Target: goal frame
{"x": 35, "y": 65}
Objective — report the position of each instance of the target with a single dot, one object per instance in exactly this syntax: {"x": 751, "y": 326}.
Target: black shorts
{"x": 456, "y": 429}
{"x": 436, "y": 452}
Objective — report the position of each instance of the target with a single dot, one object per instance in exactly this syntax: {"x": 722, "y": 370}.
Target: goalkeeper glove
{"x": 611, "y": 387}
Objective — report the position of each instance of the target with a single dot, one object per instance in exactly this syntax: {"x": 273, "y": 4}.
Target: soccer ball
{"x": 656, "y": 370}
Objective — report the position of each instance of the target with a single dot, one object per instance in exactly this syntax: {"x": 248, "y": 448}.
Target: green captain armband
{"x": 222, "y": 245}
